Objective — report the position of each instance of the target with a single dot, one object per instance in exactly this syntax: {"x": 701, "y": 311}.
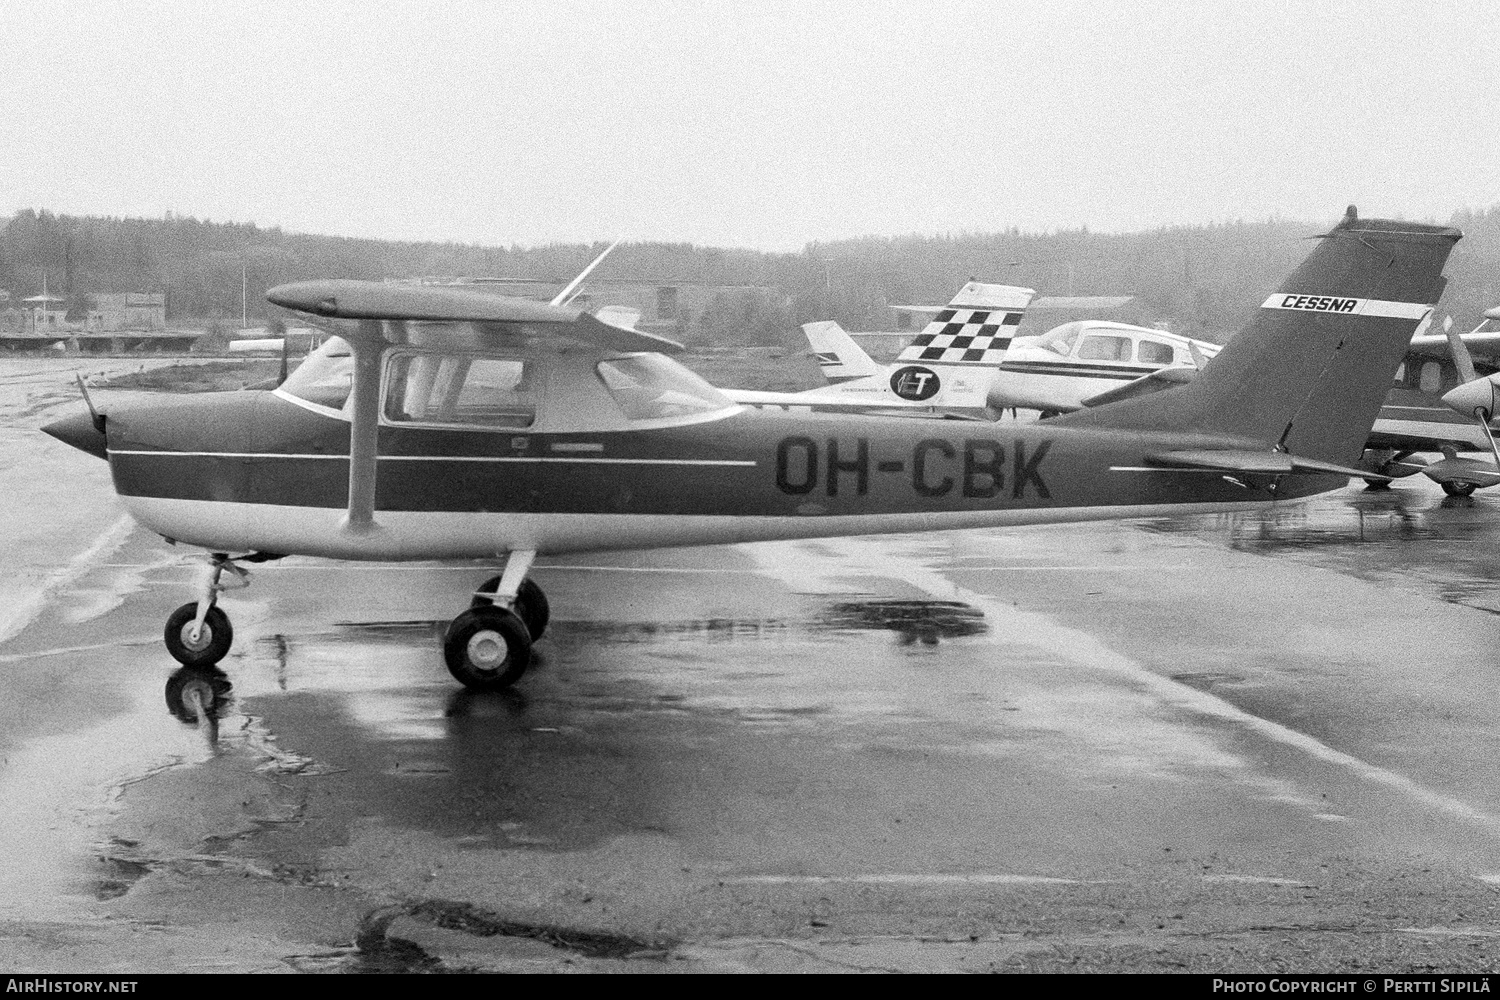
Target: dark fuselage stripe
{"x": 436, "y": 458}
{"x": 1073, "y": 371}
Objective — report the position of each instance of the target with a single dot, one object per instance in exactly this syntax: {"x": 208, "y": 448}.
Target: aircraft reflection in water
{"x": 459, "y": 425}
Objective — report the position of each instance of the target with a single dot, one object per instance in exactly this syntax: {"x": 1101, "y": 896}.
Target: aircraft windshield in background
{"x": 461, "y": 425}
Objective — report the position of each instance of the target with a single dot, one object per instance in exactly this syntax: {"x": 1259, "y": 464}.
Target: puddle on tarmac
{"x": 1446, "y": 548}
{"x": 915, "y": 621}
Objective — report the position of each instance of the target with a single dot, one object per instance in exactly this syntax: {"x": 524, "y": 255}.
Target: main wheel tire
{"x": 531, "y": 604}
{"x": 1377, "y": 484}
{"x": 1458, "y": 489}
{"x": 213, "y": 641}
{"x": 487, "y": 648}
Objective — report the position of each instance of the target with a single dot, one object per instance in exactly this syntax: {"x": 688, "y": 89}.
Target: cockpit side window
{"x": 1097, "y": 347}
{"x": 1151, "y": 352}
{"x": 460, "y": 390}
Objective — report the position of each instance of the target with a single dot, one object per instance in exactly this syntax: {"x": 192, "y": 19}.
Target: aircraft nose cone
{"x": 80, "y": 432}
{"x": 1476, "y": 395}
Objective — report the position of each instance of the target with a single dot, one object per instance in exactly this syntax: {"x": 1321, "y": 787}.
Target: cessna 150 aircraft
{"x": 467, "y": 426}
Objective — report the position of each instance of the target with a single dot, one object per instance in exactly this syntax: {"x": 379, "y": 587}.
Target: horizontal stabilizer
{"x": 1268, "y": 463}
{"x": 1162, "y": 378}
{"x": 979, "y": 295}
{"x": 1484, "y": 345}
{"x": 1088, "y": 302}
{"x": 374, "y": 300}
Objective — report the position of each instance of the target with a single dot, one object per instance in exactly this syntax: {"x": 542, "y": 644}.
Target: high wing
{"x": 373, "y": 300}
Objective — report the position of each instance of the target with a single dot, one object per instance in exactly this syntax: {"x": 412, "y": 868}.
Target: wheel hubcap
{"x": 487, "y": 649}
{"x": 205, "y": 636}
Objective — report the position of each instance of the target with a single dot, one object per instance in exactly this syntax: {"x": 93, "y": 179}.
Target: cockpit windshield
{"x": 653, "y": 387}
{"x": 325, "y": 377}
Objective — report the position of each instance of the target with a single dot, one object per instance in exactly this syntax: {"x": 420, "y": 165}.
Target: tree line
{"x": 1204, "y": 280}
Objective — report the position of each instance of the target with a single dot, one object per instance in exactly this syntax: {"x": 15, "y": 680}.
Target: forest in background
{"x": 1204, "y": 281}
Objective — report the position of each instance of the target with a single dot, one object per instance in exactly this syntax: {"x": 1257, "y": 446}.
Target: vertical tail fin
{"x": 1309, "y": 373}
{"x": 836, "y": 352}
{"x": 976, "y": 328}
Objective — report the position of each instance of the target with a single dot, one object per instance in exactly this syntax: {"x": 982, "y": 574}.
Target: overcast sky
{"x": 761, "y": 124}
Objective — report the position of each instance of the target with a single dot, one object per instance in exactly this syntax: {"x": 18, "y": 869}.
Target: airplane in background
{"x": 947, "y": 368}
{"x": 968, "y": 361}
{"x": 1413, "y": 419}
{"x": 1056, "y": 371}
{"x": 1417, "y": 416}
{"x": 1092, "y": 362}
{"x": 452, "y": 424}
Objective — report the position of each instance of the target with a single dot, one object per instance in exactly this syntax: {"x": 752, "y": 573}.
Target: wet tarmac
{"x": 1204, "y": 744}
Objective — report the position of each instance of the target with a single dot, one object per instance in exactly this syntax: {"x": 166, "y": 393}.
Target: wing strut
{"x": 364, "y": 426}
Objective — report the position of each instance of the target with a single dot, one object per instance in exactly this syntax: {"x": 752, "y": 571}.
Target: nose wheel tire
{"x": 1458, "y": 489}
{"x": 531, "y": 604}
{"x": 210, "y": 645}
{"x": 487, "y": 648}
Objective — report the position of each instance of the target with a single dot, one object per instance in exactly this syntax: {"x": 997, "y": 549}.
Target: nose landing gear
{"x": 198, "y": 634}
{"x": 488, "y": 647}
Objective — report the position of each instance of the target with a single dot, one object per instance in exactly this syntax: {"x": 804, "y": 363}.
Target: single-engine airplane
{"x": 466, "y": 426}
{"x": 968, "y": 360}
{"x": 1413, "y": 418}
{"x": 947, "y": 368}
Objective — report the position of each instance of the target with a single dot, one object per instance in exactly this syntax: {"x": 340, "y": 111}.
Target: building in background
{"x": 128, "y": 311}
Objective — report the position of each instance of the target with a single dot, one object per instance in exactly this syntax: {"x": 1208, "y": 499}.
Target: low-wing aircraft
{"x": 947, "y": 368}
{"x": 968, "y": 361}
{"x": 1056, "y": 371}
{"x": 1414, "y": 417}
{"x": 468, "y": 426}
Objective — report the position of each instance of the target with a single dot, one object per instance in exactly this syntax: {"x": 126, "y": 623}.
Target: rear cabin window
{"x": 325, "y": 377}
{"x": 1100, "y": 348}
{"x": 460, "y": 390}
{"x": 652, "y": 387}
{"x": 1149, "y": 352}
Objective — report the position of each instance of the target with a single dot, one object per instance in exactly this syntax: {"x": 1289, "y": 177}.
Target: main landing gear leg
{"x": 488, "y": 647}
{"x": 198, "y": 634}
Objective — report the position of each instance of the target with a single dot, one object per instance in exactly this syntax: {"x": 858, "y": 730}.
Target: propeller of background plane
{"x": 1474, "y": 396}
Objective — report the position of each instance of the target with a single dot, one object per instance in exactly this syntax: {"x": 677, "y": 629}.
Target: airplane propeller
{"x": 1473, "y": 396}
